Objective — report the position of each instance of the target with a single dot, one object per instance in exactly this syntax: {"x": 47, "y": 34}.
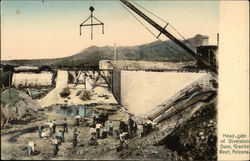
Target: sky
{"x": 33, "y": 29}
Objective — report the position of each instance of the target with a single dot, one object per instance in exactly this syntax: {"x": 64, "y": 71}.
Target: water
{"x": 84, "y": 110}
{"x": 37, "y": 93}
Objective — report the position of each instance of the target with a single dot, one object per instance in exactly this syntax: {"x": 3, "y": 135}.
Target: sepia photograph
{"x": 121, "y": 80}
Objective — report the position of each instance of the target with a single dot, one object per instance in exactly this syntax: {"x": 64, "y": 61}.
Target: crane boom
{"x": 170, "y": 36}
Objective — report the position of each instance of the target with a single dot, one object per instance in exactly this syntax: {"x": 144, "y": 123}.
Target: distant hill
{"x": 90, "y": 57}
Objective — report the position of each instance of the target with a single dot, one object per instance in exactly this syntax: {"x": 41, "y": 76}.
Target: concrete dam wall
{"x": 32, "y": 79}
{"x": 141, "y": 91}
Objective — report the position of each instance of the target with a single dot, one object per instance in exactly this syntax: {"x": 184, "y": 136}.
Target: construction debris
{"x": 65, "y": 92}
{"x": 85, "y": 95}
{"x": 192, "y": 143}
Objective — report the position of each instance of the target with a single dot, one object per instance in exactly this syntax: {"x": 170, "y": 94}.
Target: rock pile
{"x": 197, "y": 138}
{"x": 24, "y": 106}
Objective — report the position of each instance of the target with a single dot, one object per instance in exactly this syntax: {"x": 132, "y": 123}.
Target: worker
{"x": 75, "y": 134}
{"x": 55, "y": 147}
{"x": 65, "y": 125}
{"x": 102, "y": 119}
{"x": 98, "y": 127}
{"x": 77, "y": 119}
{"x": 123, "y": 127}
{"x": 97, "y": 117}
{"x": 135, "y": 129}
{"x": 92, "y": 141}
{"x": 93, "y": 132}
{"x": 149, "y": 125}
{"x": 31, "y": 148}
{"x": 110, "y": 127}
{"x": 54, "y": 126}
{"x": 123, "y": 140}
{"x": 103, "y": 132}
{"x": 40, "y": 129}
{"x": 131, "y": 127}
{"x": 94, "y": 118}
{"x": 140, "y": 130}
{"x": 50, "y": 128}
{"x": 60, "y": 136}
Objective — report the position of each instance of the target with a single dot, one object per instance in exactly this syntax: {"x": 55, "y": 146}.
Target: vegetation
{"x": 10, "y": 97}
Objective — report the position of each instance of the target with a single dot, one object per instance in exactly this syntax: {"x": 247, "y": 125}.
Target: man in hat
{"x": 93, "y": 132}
{"x": 60, "y": 136}
{"x": 75, "y": 135}
{"x": 50, "y": 128}
{"x": 77, "y": 119}
{"x": 54, "y": 126}
{"x": 65, "y": 125}
{"x": 110, "y": 127}
{"x": 131, "y": 127}
{"x": 31, "y": 148}
{"x": 123, "y": 140}
{"x": 98, "y": 128}
{"x": 55, "y": 147}
{"x": 40, "y": 129}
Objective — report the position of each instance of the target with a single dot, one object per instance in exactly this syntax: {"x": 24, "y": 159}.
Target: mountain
{"x": 89, "y": 58}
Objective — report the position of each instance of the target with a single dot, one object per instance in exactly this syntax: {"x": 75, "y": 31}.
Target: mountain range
{"x": 165, "y": 51}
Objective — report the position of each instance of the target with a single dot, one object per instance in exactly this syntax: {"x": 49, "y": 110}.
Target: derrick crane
{"x": 162, "y": 30}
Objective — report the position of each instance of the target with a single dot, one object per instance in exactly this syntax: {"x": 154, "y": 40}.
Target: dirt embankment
{"x": 15, "y": 140}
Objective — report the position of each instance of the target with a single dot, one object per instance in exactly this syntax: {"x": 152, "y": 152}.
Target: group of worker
{"x": 126, "y": 132}
{"x": 56, "y": 137}
{"x": 98, "y": 130}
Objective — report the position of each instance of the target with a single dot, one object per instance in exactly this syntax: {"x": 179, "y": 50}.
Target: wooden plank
{"x": 182, "y": 105}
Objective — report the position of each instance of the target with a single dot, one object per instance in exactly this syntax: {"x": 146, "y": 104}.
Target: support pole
{"x": 218, "y": 39}
{"x": 9, "y": 87}
{"x": 114, "y": 52}
{"x": 91, "y": 25}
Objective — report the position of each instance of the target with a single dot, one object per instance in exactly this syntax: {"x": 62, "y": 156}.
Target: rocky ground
{"x": 196, "y": 139}
{"x": 14, "y": 141}
{"x": 189, "y": 134}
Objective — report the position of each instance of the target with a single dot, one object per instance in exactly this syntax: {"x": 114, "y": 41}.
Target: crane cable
{"x": 186, "y": 55}
{"x": 139, "y": 20}
{"x": 165, "y": 22}
{"x": 91, "y": 3}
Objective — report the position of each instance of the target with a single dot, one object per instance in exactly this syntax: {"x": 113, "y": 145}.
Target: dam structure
{"x": 140, "y": 86}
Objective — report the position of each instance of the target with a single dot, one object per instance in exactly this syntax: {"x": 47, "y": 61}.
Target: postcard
{"x": 124, "y": 80}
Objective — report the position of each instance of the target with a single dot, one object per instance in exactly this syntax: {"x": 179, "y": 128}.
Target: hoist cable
{"x": 186, "y": 55}
{"x": 91, "y": 3}
{"x": 185, "y": 40}
{"x": 139, "y": 20}
{"x": 165, "y": 22}
{"x": 150, "y": 12}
